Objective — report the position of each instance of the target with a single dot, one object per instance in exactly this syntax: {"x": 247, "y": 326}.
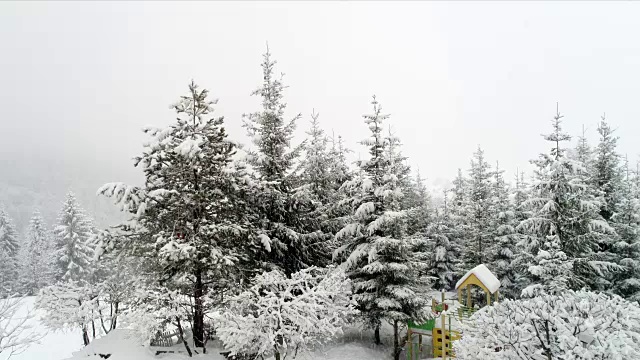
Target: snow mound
{"x": 484, "y": 275}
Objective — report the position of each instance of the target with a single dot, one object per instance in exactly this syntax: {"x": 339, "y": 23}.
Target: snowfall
{"x": 355, "y": 344}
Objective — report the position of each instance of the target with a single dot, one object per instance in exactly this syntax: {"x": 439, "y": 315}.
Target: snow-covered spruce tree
{"x": 626, "y": 222}
{"x": 37, "y": 256}
{"x": 339, "y": 171}
{"x": 315, "y": 163}
{"x": 583, "y": 154}
{"x": 478, "y": 213}
{"x": 190, "y": 221}
{"x": 73, "y": 252}
{"x": 284, "y": 215}
{"x": 441, "y": 261}
{"x": 527, "y": 245}
{"x": 379, "y": 258}
{"x": 571, "y": 325}
{"x": 278, "y": 315}
{"x": 418, "y": 202}
{"x": 9, "y": 247}
{"x": 322, "y": 172}
{"x": 565, "y": 222}
{"x": 606, "y": 170}
{"x": 504, "y": 223}
{"x": 457, "y": 220}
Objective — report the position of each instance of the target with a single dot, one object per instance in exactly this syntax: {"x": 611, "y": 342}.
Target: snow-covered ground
{"x": 52, "y": 345}
{"x": 57, "y": 345}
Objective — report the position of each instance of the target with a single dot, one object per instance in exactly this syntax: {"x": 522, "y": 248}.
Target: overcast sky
{"x": 79, "y": 80}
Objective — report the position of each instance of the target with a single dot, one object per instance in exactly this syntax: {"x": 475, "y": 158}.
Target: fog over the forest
{"x": 79, "y": 80}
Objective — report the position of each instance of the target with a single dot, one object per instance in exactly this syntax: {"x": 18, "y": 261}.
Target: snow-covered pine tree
{"x": 9, "y": 247}
{"x": 441, "y": 261}
{"x": 73, "y": 252}
{"x": 606, "y": 169}
{"x": 191, "y": 220}
{"x": 318, "y": 186}
{"x": 457, "y": 220}
{"x": 418, "y": 201}
{"x": 402, "y": 171}
{"x": 527, "y": 245}
{"x": 283, "y": 215}
{"x": 378, "y": 257}
{"x": 315, "y": 164}
{"x": 477, "y": 212}
{"x": 583, "y": 154}
{"x": 37, "y": 256}
{"x": 626, "y": 222}
{"x": 504, "y": 223}
{"x": 338, "y": 206}
{"x": 566, "y": 222}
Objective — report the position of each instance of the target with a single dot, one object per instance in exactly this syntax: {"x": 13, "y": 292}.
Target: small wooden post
{"x": 469, "y": 295}
{"x": 488, "y": 298}
{"x": 410, "y": 341}
{"x": 497, "y": 292}
{"x": 444, "y": 344}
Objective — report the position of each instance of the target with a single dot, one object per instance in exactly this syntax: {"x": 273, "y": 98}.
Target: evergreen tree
{"x": 315, "y": 164}
{"x": 323, "y": 171}
{"x": 626, "y": 222}
{"x": 478, "y": 215}
{"x": 9, "y": 247}
{"x": 339, "y": 172}
{"x": 441, "y": 261}
{"x": 527, "y": 245}
{"x": 378, "y": 257}
{"x": 418, "y": 201}
{"x": 284, "y": 216}
{"x": 73, "y": 252}
{"x": 503, "y": 252}
{"x": 190, "y": 222}
{"x": 37, "y": 260}
{"x": 607, "y": 176}
{"x": 566, "y": 222}
{"x": 457, "y": 221}
{"x": 583, "y": 154}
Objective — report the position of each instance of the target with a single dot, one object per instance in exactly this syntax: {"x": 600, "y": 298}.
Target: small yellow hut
{"x": 482, "y": 277}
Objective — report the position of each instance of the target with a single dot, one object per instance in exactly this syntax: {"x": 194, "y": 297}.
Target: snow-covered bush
{"x": 68, "y": 305}
{"x": 571, "y": 325}
{"x": 158, "y": 309}
{"x": 15, "y": 332}
{"x": 280, "y": 315}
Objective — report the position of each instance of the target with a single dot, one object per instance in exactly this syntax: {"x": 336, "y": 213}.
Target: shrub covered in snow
{"x": 280, "y": 315}
{"x": 571, "y": 325}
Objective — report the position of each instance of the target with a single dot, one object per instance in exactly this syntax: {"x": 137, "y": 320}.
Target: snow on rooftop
{"x": 484, "y": 275}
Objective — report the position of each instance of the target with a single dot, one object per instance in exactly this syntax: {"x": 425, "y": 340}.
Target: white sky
{"x": 79, "y": 80}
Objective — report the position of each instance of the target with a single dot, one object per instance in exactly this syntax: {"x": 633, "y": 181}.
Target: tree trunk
{"x": 376, "y": 335}
{"x": 396, "y": 344}
{"x": 198, "y": 312}
{"x": 85, "y": 336}
{"x": 277, "y": 355}
{"x": 184, "y": 341}
{"x": 114, "y": 318}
